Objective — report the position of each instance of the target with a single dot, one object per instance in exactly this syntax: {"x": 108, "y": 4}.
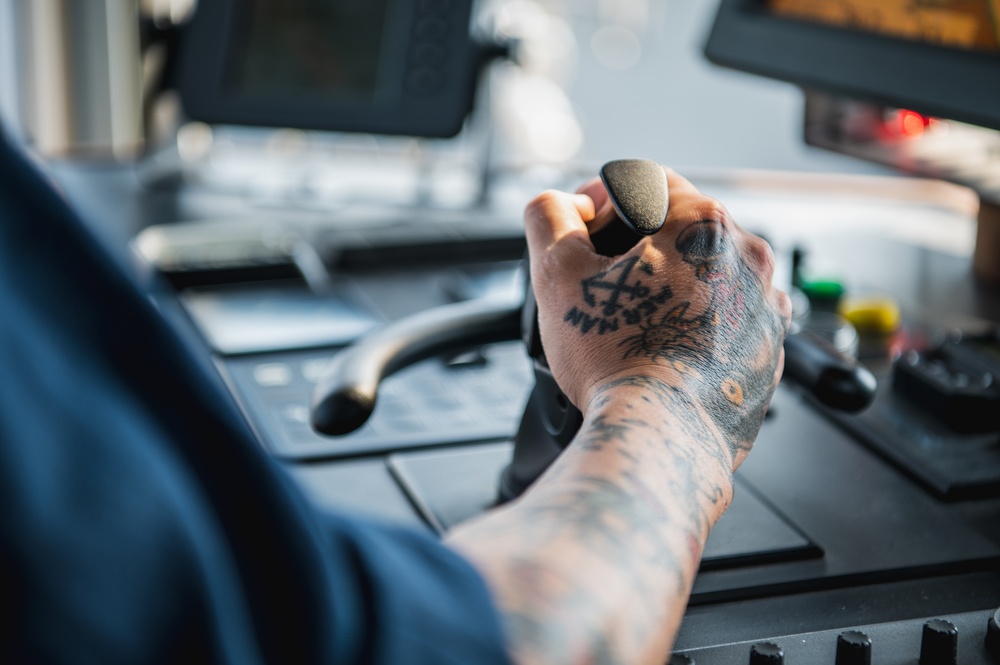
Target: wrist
{"x": 651, "y": 376}
{"x": 680, "y": 418}
{"x": 661, "y": 389}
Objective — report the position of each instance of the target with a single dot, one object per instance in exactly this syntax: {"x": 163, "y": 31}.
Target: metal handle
{"x": 345, "y": 396}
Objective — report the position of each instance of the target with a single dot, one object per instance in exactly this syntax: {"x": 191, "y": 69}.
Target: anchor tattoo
{"x": 618, "y": 298}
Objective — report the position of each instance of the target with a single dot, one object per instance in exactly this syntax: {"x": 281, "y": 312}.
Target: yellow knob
{"x": 871, "y": 314}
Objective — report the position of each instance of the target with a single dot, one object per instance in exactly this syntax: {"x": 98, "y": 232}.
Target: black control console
{"x": 957, "y": 381}
{"x": 865, "y": 526}
{"x": 855, "y": 529}
{"x": 938, "y": 417}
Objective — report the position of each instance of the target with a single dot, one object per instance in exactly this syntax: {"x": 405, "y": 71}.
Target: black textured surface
{"x": 453, "y": 485}
{"x": 638, "y": 190}
{"x": 952, "y": 465}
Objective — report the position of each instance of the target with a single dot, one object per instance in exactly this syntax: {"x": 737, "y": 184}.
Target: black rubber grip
{"x": 638, "y": 191}
{"x": 834, "y": 379}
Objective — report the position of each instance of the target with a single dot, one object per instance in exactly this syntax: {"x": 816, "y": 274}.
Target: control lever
{"x": 837, "y": 381}
{"x": 345, "y": 396}
{"x": 640, "y": 201}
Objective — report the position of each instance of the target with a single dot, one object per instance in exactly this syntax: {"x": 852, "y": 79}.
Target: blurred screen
{"x": 967, "y": 24}
{"x": 325, "y": 48}
{"x": 257, "y": 318}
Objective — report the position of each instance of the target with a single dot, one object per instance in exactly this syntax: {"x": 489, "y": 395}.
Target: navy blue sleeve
{"x": 141, "y": 521}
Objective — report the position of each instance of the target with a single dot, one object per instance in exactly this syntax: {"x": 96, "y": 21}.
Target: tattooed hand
{"x": 690, "y": 310}
{"x": 672, "y": 351}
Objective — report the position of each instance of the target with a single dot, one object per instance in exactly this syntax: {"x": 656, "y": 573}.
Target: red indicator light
{"x": 911, "y": 123}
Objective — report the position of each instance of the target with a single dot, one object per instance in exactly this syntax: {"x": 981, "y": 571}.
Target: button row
{"x": 938, "y": 646}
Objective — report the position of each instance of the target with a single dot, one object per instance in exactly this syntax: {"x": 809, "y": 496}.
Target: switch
{"x": 956, "y": 382}
{"x": 766, "y": 653}
{"x": 854, "y": 648}
{"x": 871, "y": 314}
{"x": 939, "y": 644}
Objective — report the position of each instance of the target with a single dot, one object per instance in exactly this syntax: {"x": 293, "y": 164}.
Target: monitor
{"x": 938, "y": 57}
{"x": 403, "y": 67}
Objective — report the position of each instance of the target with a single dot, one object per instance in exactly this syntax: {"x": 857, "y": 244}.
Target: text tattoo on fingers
{"x": 731, "y": 341}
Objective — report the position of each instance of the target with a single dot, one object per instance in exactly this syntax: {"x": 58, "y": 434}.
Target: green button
{"x": 823, "y": 289}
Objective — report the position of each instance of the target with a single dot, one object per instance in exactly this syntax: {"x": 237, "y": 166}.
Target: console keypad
{"x": 431, "y": 403}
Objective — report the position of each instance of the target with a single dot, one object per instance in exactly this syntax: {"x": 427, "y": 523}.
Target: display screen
{"x": 318, "y": 48}
{"x": 965, "y": 24}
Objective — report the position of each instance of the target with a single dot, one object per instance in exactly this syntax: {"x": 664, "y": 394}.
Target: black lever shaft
{"x": 639, "y": 197}
{"x": 345, "y": 396}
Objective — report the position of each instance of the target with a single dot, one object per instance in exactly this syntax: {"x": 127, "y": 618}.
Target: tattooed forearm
{"x": 677, "y": 406}
{"x": 602, "y": 431}
{"x": 671, "y": 352}
{"x": 722, "y": 344}
{"x": 618, "y": 527}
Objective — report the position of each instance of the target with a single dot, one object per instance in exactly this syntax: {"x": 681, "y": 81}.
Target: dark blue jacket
{"x": 140, "y": 521}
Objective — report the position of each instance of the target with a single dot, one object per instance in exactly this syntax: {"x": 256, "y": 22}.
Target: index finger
{"x": 688, "y": 203}
{"x": 553, "y": 216}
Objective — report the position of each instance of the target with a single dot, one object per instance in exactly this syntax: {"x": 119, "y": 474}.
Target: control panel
{"x": 852, "y": 537}
{"x": 477, "y": 396}
{"x": 970, "y": 638}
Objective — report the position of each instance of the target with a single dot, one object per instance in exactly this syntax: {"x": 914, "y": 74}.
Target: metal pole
{"x": 83, "y": 90}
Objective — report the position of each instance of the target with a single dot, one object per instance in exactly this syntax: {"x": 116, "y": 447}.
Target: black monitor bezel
{"x": 937, "y": 81}
{"x": 212, "y": 37}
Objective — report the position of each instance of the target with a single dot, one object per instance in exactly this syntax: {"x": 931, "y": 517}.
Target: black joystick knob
{"x": 638, "y": 191}
{"x": 993, "y": 636}
{"x": 766, "y": 653}
{"x": 854, "y": 648}
{"x": 939, "y": 644}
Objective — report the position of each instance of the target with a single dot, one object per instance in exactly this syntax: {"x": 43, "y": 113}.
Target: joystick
{"x": 640, "y": 199}
{"x": 345, "y": 396}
